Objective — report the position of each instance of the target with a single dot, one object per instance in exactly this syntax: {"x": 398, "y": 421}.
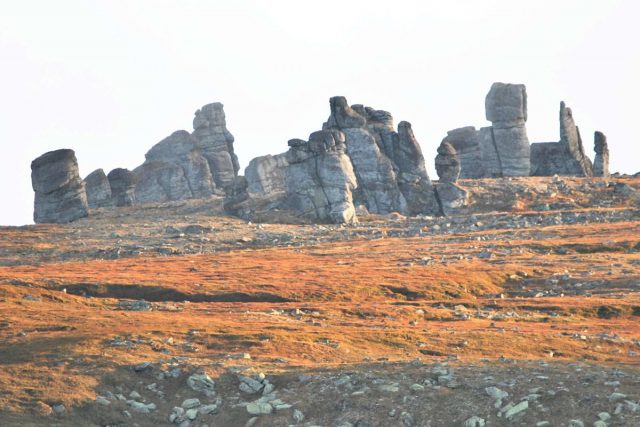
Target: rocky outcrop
{"x": 601, "y": 160}
{"x": 319, "y": 179}
{"x": 465, "y": 142}
{"x": 266, "y": 174}
{"x": 122, "y": 182}
{"x": 578, "y": 163}
{"x": 389, "y": 165}
{"x": 447, "y": 163}
{"x": 506, "y": 109}
{"x": 59, "y": 191}
{"x": 501, "y": 149}
{"x": 98, "y": 189}
{"x": 359, "y": 159}
{"x": 174, "y": 169}
{"x": 216, "y": 143}
{"x": 451, "y": 196}
{"x": 566, "y": 157}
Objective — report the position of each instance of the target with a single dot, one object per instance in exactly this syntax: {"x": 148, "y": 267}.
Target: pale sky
{"x": 111, "y": 78}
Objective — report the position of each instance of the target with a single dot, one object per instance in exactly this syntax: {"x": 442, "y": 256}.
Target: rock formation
{"x": 59, "y": 192}
{"x": 266, "y": 174}
{"x": 447, "y": 163}
{"x": 506, "y": 109}
{"x": 601, "y": 160}
{"x": 122, "y": 182}
{"x": 216, "y": 143}
{"x": 501, "y": 149}
{"x": 388, "y": 165}
{"x": 174, "y": 169}
{"x": 465, "y": 142}
{"x": 565, "y": 157}
{"x": 320, "y": 180}
{"x": 357, "y": 159}
{"x": 451, "y": 196}
{"x": 98, "y": 189}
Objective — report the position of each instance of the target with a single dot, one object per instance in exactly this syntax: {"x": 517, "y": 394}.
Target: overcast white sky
{"x": 111, "y": 78}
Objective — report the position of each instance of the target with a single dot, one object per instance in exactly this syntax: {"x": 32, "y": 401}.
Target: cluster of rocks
{"x": 503, "y": 149}
{"x": 567, "y": 157}
{"x": 358, "y": 162}
{"x": 499, "y": 150}
{"x": 182, "y": 166}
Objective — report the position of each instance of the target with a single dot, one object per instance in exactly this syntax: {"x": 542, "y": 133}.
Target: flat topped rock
{"x": 506, "y": 102}
{"x": 53, "y": 170}
{"x": 60, "y": 195}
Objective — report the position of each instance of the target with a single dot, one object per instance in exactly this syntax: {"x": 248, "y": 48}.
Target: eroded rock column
{"x": 60, "y": 195}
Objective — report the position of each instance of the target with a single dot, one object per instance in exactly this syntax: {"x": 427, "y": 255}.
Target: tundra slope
{"x": 424, "y": 321}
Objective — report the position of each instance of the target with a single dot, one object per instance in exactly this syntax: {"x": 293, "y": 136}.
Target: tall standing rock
{"x": 388, "y": 164}
{"x": 377, "y": 186}
{"x": 122, "y": 182}
{"x": 506, "y": 109}
{"x": 216, "y": 143}
{"x": 578, "y": 162}
{"x": 447, "y": 163}
{"x": 174, "y": 169}
{"x": 98, "y": 189}
{"x": 601, "y": 161}
{"x": 566, "y": 157}
{"x": 59, "y": 191}
{"x": 451, "y": 196}
{"x": 320, "y": 180}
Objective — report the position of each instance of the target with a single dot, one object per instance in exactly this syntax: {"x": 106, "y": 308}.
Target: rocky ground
{"x": 522, "y": 311}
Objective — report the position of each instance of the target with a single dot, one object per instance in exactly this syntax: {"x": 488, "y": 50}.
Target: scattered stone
{"x": 191, "y": 403}
{"x": 201, "y": 383}
{"x": 474, "y": 422}
{"x": 101, "y": 400}
{"x": 259, "y": 408}
{"x": 298, "y": 416}
{"x": 515, "y": 410}
{"x": 495, "y": 393}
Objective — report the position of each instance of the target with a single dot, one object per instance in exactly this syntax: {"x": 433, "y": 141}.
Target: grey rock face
{"x": 216, "y": 143}
{"x": 452, "y": 197}
{"x": 447, "y": 163}
{"x": 412, "y": 177}
{"x": 357, "y": 159}
{"x": 501, "y": 149}
{"x": 98, "y": 189}
{"x": 59, "y": 192}
{"x": 122, "y": 182}
{"x": 565, "y": 157}
{"x": 466, "y": 144}
{"x": 578, "y": 163}
{"x": 601, "y": 160}
{"x": 506, "y": 109}
{"x": 389, "y": 165}
{"x": 266, "y": 174}
{"x": 319, "y": 180}
{"x": 174, "y": 169}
